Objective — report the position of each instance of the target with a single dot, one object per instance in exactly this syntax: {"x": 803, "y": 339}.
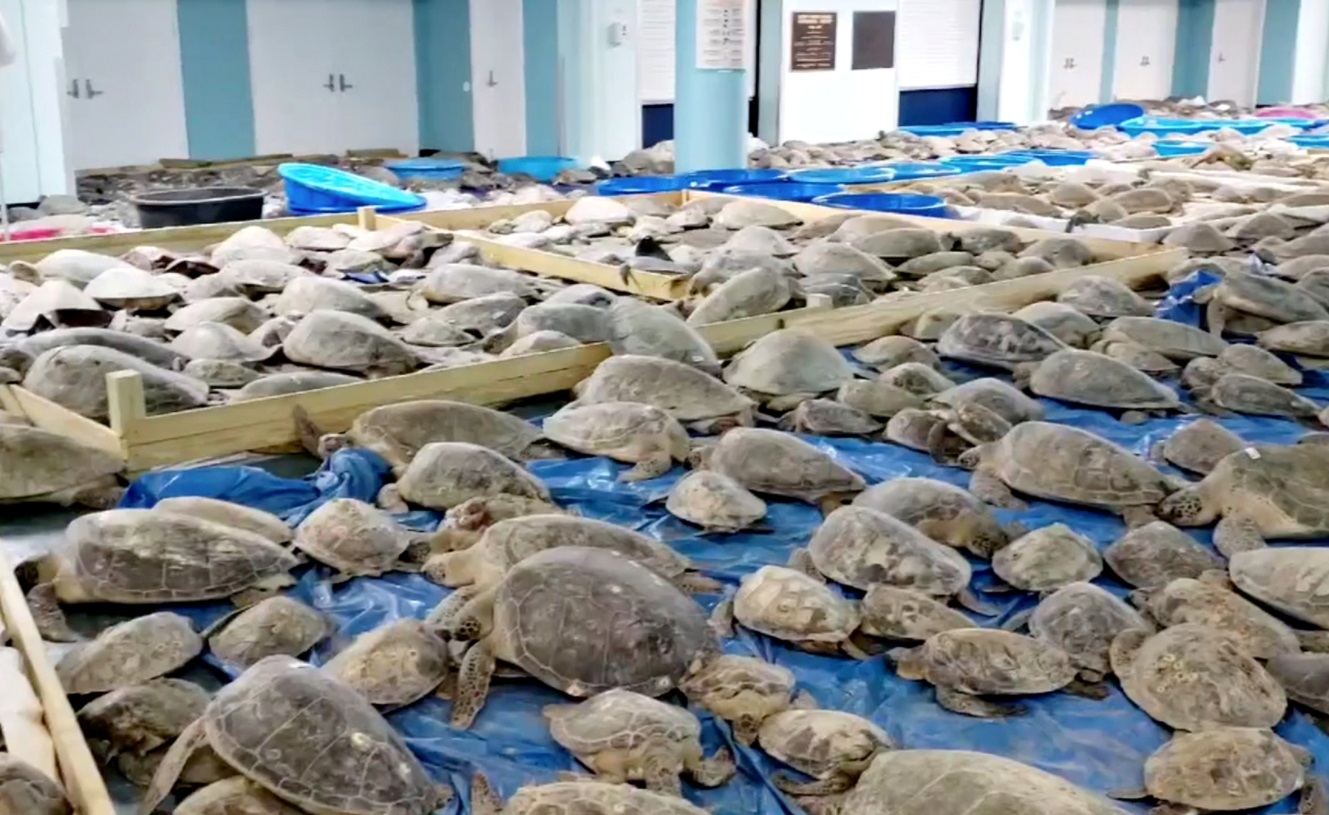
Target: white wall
{"x": 599, "y": 80}
{"x": 1015, "y": 60}
{"x": 35, "y": 159}
{"x": 1310, "y": 63}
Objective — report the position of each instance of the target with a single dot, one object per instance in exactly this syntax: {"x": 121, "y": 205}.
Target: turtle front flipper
{"x": 1314, "y": 798}
{"x": 1087, "y": 690}
{"x": 48, "y": 615}
{"x": 722, "y": 618}
{"x": 966, "y": 598}
{"x": 714, "y": 771}
{"x": 1237, "y": 533}
{"x": 649, "y": 468}
{"x": 445, "y": 613}
{"x": 484, "y": 801}
{"x": 307, "y": 431}
{"x": 695, "y": 583}
{"x": 839, "y": 782}
{"x": 173, "y": 763}
{"x": 661, "y": 775}
{"x": 963, "y": 703}
{"x": 477, "y": 668}
{"x": 990, "y": 489}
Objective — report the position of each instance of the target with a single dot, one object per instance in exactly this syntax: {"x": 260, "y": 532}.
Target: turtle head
{"x": 971, "y": 459}
{"x": 1188, "y": 507}
{"x": 330, "y": 443}
{"x": 15, "y": 358}
{"x": 908, "y": 662}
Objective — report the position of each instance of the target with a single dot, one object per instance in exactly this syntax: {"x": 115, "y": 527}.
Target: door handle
{"x": 73, "y": 88}
{"x": 330, "y": 85}
{"x": 341, "y": 80}
{"x": 1144, "y": 61}
{"x": 492, "y": 82}
{"x": 1068, "y": 63}
{"x": 87, "y": 86}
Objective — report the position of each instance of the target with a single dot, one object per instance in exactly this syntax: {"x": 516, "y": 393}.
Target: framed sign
{"x": 812, "y": 41}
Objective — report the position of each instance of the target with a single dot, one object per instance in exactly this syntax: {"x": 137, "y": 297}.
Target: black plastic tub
{"x": 198, "y": 205}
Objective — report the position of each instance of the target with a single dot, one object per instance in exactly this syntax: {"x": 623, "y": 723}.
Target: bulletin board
{"x": 655, "y": 50}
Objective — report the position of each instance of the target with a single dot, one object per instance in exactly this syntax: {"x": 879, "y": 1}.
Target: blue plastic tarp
{"x": 1100, "y": 745}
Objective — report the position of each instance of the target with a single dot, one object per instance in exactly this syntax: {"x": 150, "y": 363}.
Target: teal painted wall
{"x": 1109, "y": 50}
{"x": 442, "y": 69}
{"x": 1277, "y": 51}
{"x": 540, "y": 37}
{"x": 214, "y": 53}
{"x": 1195, "y": 39}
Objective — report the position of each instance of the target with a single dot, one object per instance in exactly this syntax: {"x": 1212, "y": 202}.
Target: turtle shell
{"x": 1097, "y": 380}
{"x": 125, "y": 286}
{"x": 1153, "y": 555}
{"x": 1285, "y": 578}
{"x": 1257, "y": 768}
{"x": 277, "y": 625}
{"x": 636, "y": 327}
{"x": 35, "y": 462}
{"x": 308, "y": 294}
{"x": 444, "y": 474}
{"x": 997, "y": 340}
{"x": 130, "y": 652}
{"x": 219, "y": 341}
{"x": 623, "y": 431}
{"x": 596, "y": 796}
{"x": 789, "y": 605}
{"x": 620, "y": 720}
{"x": 312, "y": 740}
{"x": 1244, "y": 393}
{"x": 398, "y": 432}
{"x": 714, "y": 501}
{"x": 1082, "y": 620}
{"x": 353, "y": 537}
{"x": 1048, "y": 558}
{"x": 777, "y": 463}
{"x": 821, "y": 742}
{"x": 1305, "y": 678}
{"x": 943, "y": 512}
{"x": 684, "y": 391}
{"x": 859, "y": 546}
{"x": 230, "y": 514}
{"x": 586, "y": 620}
{"x": 992, "y": 661}
{"x": 1283, "y": 488}
{"x": 1268, "y": 297}
{"x": 393, "y": 665}
{"x": 334, "y": 339}
{"x": 141, "y": 718}
{"x": 26, "y": 790}
{"x": 1001, "y": 398}
{"x": 1104, "y": 297}
{"x": 1187, "y": 600}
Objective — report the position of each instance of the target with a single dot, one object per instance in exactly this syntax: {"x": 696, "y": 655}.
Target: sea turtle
{"x": 56, "y": 303}
{"x": 859, "y": 546}
{"x": 880, "y": 400}
{"x": 26, "y": 790}
{"x": 308, "y": 739}
{"x": 776, "y": 463}
{"x": 645, "y": 436}
{"x": 573, "y": 617}
{"x": 942, "y": 511}
{"x": 230, "y": 514}
{"x": 787, "y": 366}
{"x": 699, "y": 400}
{"x": 1197, "y": 446}
{"x": 141, "y": 556}
{"x": 832, "y": 746}
{"x": 1047, "y": 558}
{"x": 792, "y": 606}
{"x": 304, "y": 295}
{"x": 742, "y": 690}
{"x": 219, "y": 341}
{"x": 913, "y": 428}
{"x": 126, "y": 287}
{"x": 456, "y": 282}
{"x": 1153, "y": 555}
{"x": 746, "y": 294}
{"x": 277, "y": 625}
{"x": 463, "y": 523}
{"x": 1284, "y": 578}
{"x": 715, "y": 502}
{"x": 1097, "y": 380}
{"x": 140, "y": 718}
{"x": 905, "y": 614}
{"x": 1104, "y": 297}
{"x": 355, "y": 538}
{"x": 40, "y": 466}
{"x": 827, "y": 417}
{"x": 897, "y": 246}
{"x": 1304, "y": 677}
{"x": 1270, "y": 300}
{"x": 1243, "y": 393}
{"x": 1137, "y": 356}
{"x": 1066, "y": 323}
{"x": 1000, "y": 397}
{"x": 20, "y": 354}
{"x": 1255, "y": 361}
{"x": 1192, "y": 677}
{"x": 1060, "y": 463}
{"x": 508, "y": 542}
{"x": 637, "y": 328}
{"x": 1258, "y": 492}
{"x": 236, "y": 795}
{"x": 1209, "y": 600}
{"x": 77, "y": 266}
{"x": 1309, "y": 339}
{"x": 887, "y": 352}
{"x": 577, "y": 797}
{"x": 996, "y": 340}
{"x": 916, "y": 377}
{"x": 348, "y": 342}
{"x": 444, "y": 474}
{"x": 625, "y": 736}
{"x": 129, "y": 653}
{"x": 964, "y": 664}
{"x": 74, "y": 377}
{"x": 291, "y": 382}
{"x": 945, "y": 782}
{"x": 393, "y": 665}
{"x": 1082, "y": 620}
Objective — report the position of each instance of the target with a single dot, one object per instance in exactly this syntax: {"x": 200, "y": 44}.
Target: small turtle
{"x": 943, "y": 512}
{"x": 1066, "y": 323}
{"x": 1201, "y": 374}
{"x": 1255, "y": 396}
{"x": 739, "y": 214}
{"x": 832, "y": 746}
{"x": 269, "y": 722}
{"x": 625, "y": 736}
{"x": 887, "y": 352}
{"x": 1153, "y": 555}
{"x": 827, "y": 417}
{"x": 1258, "y": 492}
{"x": 1000, "y": 397}
{"x": 747, "y": 294}
{"x": 877, "y": 399}
{"x": 643, "y": 435}
{"x": 1137, "y": 356}
{"x": 26, "y": 790}
{"x": 127, "y": 287}
{"x": 1197, "y": 446}
{"x": 996, "y": 340}
{"x": 1104, "y": 297}
{"x": 1096, "y": 380}
{"x": 905, "y": 614}
{"x": 914, "y": 428}
{"x": 347, "y": 342}
{"x": 791, "y": 606}
{"x": 577, "y": 797}
{"x": 230, "y": 514}
{"x": 140, "y": 556}
{"x": 219, "y": 341}
{"x": 277, "y": 625}
{"x": 394, "y": 665}
{"x": 1304, "y": 677}
{"x": 859, "y": 546}
{"x": 1260, "y": 296}
{"x": 509, "y": 542}
{"x": 1284, "y": 578}
{"x": 141, "y": 718}
{"x": 1255, "y": 361}
{"x": 929, "y": 782}
{"x": 964, "y": 664}
{"x": 787, "y": 366}
{"x": 236, "y": 795}
{"x": 715, "y": 502}
{"x": 703, "y": 402}
{"x": 355, "y": 538}
{"x": 1059, "y": 463}
{"x": 1209, "y": 600}
{"x": 1225, "y": 769}
{"x": 917, "y": 378}
{"x": 74, "y": 377}
{"x": 1047, "y": 559}
{"x": 573, "y": 617}
{"x": 1192, "y": 677}
{"x": 743, "y": 690}
{"x": 456, "y": 282}
{"x": 305, "y": 295}
{"x": 129, "y": 653}
{"x": 776, "y": 463}
{"x": 1308, "y": 339}
{"x": 1082, "y": 620}
{"x": 43, "y": 467}
{"x": 444, "y": 474}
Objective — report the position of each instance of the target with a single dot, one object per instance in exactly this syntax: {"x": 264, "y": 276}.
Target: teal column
{"x": 710, "y": 107}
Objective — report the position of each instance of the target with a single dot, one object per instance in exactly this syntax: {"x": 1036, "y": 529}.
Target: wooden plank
{"x": 48, "y": 415}
{"x": 83, "y": 781}
{"x": 481, "y": 217}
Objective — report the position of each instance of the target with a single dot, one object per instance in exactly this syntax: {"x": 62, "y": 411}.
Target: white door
{"x": 376, "y": 91}
{"x": 1146, "y": 49}
{"x": 1077, "y": 52}
{"x": 498, "y": 84}
{"x": 125, "y": 58}
{"x": 1234, "y": 56}
{"x": 292, "y": 76}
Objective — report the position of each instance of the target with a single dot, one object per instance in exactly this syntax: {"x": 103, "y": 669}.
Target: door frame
{"x": 508, "y": 55}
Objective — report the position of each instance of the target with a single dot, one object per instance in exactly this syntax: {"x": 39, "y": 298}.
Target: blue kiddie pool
{"x": 426, "y": 169}
{"x": 1162, "y": 127}
{"x": 641, "y": 185}
{"x": 875, "y": 174}
{"x": 541, "y": 168}
{"x": 914, "y": 171}
{"x": 975, "y": 164}
{"x": 1054, "y": 158}
{"x": 1172, "y": 149}
{"x": 716, "y": 180}
{"x": 984, "y": 125}
{"x": 783, "y": 191}
{"x": 313, "y": 188}
{"x": 1096, "y": 116}
{"x": 945, "y": 131}
{"x": 1312, "y": 141}
{"x": 896, "y": 203}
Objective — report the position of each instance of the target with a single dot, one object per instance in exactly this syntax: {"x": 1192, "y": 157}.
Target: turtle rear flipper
{"x": 1237, "y": 533}
{"x": 839, "y": 782}
{"x": 484, "y": 801}
{"x": 48, "y": 615}
{"x": 173, "y": 763}
{"x": 1314, "y": 798}
{"x": 963, "y": 703}
{"x": 307, "y": 431}
{"x": 477, "y": 669}
{"x": 714, "y": 771}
